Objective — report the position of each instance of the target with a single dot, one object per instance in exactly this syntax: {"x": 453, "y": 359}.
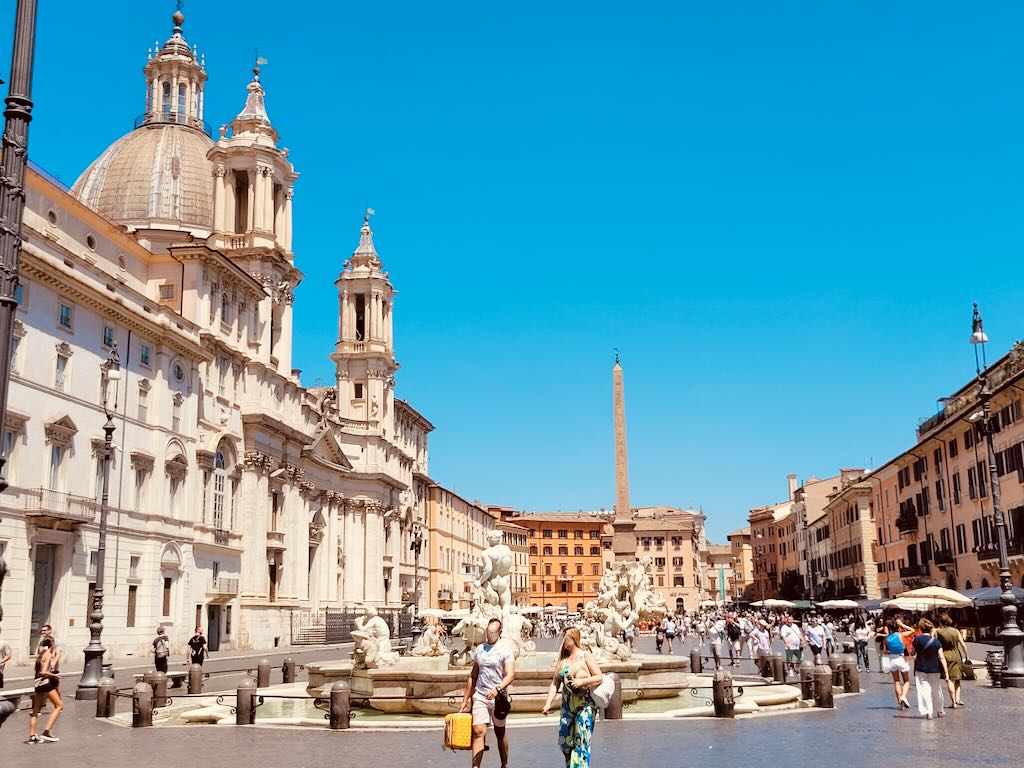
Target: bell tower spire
{"x": 364, "y": 355}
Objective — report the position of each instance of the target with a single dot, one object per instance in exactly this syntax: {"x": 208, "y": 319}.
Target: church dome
{"x": 157, "y": 173}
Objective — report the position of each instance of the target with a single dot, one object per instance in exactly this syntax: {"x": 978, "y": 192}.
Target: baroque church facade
{"x": 237, "y": 496}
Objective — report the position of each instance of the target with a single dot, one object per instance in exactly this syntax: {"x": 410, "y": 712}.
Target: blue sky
{"x": 779, "y": 213}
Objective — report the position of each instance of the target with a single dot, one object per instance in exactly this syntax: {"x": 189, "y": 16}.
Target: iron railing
{"x": 175, "y": 118}
{"x": 46, "y": 502}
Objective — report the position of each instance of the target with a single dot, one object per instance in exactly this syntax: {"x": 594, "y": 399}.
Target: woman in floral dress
{"x": 576, "y": 672}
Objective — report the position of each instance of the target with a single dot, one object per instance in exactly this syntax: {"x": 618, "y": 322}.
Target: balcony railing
{"x": 990, "y": 551}
{"x": 275, "y": 539}
{"x": 913, "y": 571}
{"x": 944, "y": 557}
{"x": 223, "y": 586}
{"x": 44, "y": 502}
{"x": 153, "y": 118}
{"x": 444, "y": 594}
{"x": 220, "y": 536}
{"x": 906, "y": 523}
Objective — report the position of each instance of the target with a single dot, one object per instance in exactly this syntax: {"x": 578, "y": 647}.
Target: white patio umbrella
{"x": 772, "y": 602}
{"x": 919, "y": 605}
{"x": 839, "y": 605}
{"x": 951, "y": 596}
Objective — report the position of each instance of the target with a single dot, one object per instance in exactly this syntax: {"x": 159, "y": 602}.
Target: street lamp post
{"x": 89, "y": 683}
{"x": 18, "y": 115}
{"x": 1011, "y": 634}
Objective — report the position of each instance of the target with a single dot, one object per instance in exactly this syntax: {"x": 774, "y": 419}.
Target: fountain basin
{"x": 430, "y": 686}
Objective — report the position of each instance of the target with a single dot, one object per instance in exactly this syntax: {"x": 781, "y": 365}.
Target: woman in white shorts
{"x": 896, "y": 658}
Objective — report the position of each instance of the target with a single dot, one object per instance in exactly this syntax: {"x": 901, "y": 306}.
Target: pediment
{"x": 327, "y": 449}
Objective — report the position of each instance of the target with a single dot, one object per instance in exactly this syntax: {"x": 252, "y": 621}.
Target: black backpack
{"x": 734, "y": 631}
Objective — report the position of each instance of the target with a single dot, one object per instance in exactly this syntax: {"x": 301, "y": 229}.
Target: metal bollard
{"x": 263, "y": 673}
{"x": 288, "y": 670}
{"x": 851, "y": 680}
{"x": 721, "y": 688}
{"x": 807, "y": 680}
{"x": 142, "y": 705}
{"x": 105, "y": 697}
{"x": 614, "y": 709}
{"x": 245, "y": 702}
{"x": 778, "y": 668}
{"x": 159, "y": 683}
{"x": 695, "y": 662}
{"x": 195, "y": 678}
{"x": 341, "y": 708}
{"x": 823, "y": 687}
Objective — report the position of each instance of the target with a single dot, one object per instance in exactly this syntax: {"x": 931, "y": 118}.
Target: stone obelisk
{"x": 623, "y": 538}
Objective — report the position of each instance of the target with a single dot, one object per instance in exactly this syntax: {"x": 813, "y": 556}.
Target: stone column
{"x": 374, "y": 548}
{"x": 343, "y": 315}
{"x": 355, "y": 535}
{"x": 219, "y": 223}
{"x": 256, "y": 210}
{"x": 251, "y": 212}
{"x": 199, "y": 104}
{"x": 286, "y": 238}
{"x": 154, "y": 104}
{"x": 174, "y": 95}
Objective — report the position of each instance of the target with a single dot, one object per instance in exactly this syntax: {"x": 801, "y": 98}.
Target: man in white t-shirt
{"x": 792, "y": 641}
{"x": 670, "y": 632}
{"x": 493, "y": 671}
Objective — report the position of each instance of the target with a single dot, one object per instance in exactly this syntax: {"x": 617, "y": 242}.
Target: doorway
{"x": 213, "y": 627}
{"x": 42, "y": 590}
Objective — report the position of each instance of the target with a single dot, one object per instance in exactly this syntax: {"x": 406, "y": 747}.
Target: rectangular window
{"x": 176, "y": 416}
{"x": 578, "y": 551}
{"x": 65, "y": 315}
{"x": 969, "y": 438}
{"x": 133, "y": 594}
{"x": 167, "y": 596}
{"x": 677, "y": 562}
{"x": 173, "y": 495}
{"x": 357, "y": 390}
{"x": 579, "y": 569}
{"x": 61, "y": 372}
{"x": 596, "y": 568}
{"x": 145, "y": 355}
{"x": 677, "y": 581}
{"x": 595, "y": 550}
{"x": 143, "y": 406}
{"x": 56, "y": 458}
{"x": 595, "y": 534}
{"x": 564, "y": 551}
{"x": 577, "y": 534}
{"x": 547, "y": 533}
{"x": 108, "y": 336}
{"x": 547, "y": 550}
{"x": 956, "y": 488}
{"x": 222, "y": 374}
{"x": 563, "y": 534}
{"x": 133, "y": 566}
{"x": 952, "y": 448}
{"x": 94, "y": 558}
{"x": 19, "y": 295}
{"x": 972, "y": 483}
{"x": 579, "y": 587}
{"x": 140, "y": 491}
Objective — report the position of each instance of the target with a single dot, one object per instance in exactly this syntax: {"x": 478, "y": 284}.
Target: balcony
{"x": 906, "y": 523}
{"x": 223, "y": 587}
{"x": 57, "y": 505}
{"x": 275, "y": 540}
{"x": 990, "y": 551}
{"x": 914, "y": 572}
{"x": 173, "y": 117}
{"x": 944, "y": 557}
{"x": 444, "y": 594}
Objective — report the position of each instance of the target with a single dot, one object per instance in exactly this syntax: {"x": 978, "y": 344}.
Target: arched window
{"x": 220, "y": 474}
{"x": 182, "y": 95}
{"x": 225, "y": 308}
{"x": 984, "y": 583}
{"x": 968, "y": 585}
{"x": 165, "y": 104}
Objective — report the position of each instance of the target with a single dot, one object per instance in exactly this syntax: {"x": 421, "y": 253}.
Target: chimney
{"x": 792, "y": 486}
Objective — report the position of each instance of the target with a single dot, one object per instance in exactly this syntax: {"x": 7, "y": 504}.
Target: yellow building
{"x": 743, "y": 561}
{"x": 456, "y": 536}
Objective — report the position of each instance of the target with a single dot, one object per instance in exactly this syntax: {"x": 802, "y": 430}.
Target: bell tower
{"x": 364, "y": 356}
{"x": 253, "y": 181}
{"x": 175, "y": 79}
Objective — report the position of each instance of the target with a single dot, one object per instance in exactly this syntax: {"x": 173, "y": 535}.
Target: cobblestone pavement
{"x": 861, "y": 729}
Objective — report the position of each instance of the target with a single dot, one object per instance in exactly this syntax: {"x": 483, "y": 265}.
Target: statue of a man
{"x": 494, "y": 578}
{"x": 372, "y": 641}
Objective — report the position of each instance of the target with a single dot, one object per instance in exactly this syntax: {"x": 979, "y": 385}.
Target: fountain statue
{"x": 372, "y": 639}
{"x": 430, "y": 643}
{"x": 624, "y": 598}
{"x": 494, "y": 577}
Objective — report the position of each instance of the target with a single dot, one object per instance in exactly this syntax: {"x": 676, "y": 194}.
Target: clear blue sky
{"x": 778, "y": 212}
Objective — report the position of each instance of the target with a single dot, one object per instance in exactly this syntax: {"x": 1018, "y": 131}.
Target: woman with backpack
{"x": 161, "y": 650}
{"x": 896, "y": 660}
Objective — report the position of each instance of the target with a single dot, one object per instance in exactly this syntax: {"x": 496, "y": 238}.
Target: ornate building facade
{"x": 237, "y": 495}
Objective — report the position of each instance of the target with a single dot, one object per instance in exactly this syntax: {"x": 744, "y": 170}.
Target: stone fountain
{"x": 431, "y": 680}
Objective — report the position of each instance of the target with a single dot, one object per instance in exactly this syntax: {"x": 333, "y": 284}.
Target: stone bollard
{"x": 696, "y": 667}
{"x": 807, "y": 680}
{"x": 836, "y": 665}
{"x": 778, "y": 668}
{"x": 7, "y": 708}
{"x": 263, "y": 673}
{"x": 614, "y": 709}
{"x": 721, "y": 689}
{"x": 341, "y": 706}
{"x": 851, "y": 678}
{"x": 195, "y": 678}
{"x": 159, "y": 683}
{"x": 105, "y": 697}
{"x": 288, "y": 670}
{"x": 823, "y": 687}
{"x": 142, "y": 705}
{"x": 245, "y": 702}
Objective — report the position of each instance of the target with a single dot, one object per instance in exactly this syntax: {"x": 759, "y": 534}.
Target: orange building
{"x": 566, "y": 563}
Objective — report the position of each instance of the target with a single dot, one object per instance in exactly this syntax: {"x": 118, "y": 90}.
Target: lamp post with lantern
{"x": 1011, "y": 634}
{"x": 88, "y": 685}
